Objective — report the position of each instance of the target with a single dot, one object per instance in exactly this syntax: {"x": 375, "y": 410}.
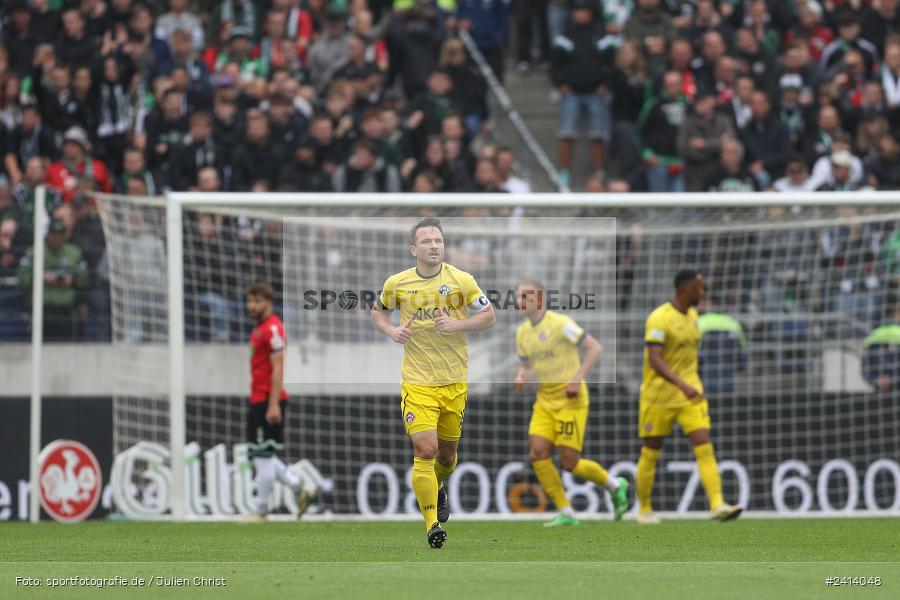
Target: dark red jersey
{"x": 267, "y": 339}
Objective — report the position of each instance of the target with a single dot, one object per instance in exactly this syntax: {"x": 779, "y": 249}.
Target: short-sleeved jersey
{"x": 266, "y": 339}
{"x": 430, "y": 357}
{"x": 550, "y": 346}
{"x": 679, "y": 336}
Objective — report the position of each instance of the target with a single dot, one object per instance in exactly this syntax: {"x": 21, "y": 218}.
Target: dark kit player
{"x": 268, "y": 400}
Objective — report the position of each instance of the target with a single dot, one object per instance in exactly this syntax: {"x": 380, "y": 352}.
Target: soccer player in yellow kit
{"x": 548, "y": 345}
{"x": 439, "y": 305}
{"x": 672, "y": 392}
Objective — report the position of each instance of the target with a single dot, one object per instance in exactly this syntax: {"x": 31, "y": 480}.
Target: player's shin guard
{"x": 442, "y": 471}
{"x": 425, "y": 486}
{"x": 550, "y": 480}
{"x": 709, "y": 473}
{"x": 264, "y": 480}
{"x": 646, "y": 471}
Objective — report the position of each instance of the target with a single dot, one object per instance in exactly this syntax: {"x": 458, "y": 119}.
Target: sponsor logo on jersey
{"x": 543, "y": 336}
{"x": 444, "y": 290}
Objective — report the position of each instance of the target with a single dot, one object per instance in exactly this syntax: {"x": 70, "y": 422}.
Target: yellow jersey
{"x": 550, "y": 346}
{"x": 679, "y": 336}
{"x": 432, "y": 358}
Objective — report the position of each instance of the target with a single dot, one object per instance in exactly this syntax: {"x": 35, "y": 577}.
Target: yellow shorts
{"x": 563, "y": 427}
{"x": 656, "y": 421}
{"x": 434, "y": 407}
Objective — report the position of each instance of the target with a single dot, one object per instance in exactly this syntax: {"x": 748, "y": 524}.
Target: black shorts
{"x": 265, "y": 439}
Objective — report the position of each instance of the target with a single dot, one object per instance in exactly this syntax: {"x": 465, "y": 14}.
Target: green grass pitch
{"x": 522, "y": 560}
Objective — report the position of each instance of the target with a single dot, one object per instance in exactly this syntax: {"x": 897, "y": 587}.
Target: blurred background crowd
{"x": 140, "y": 97}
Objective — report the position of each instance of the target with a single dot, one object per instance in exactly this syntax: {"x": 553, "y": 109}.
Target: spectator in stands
{"x": 796, "y": 178}
{"x": 110, "y": 99}
{"x": 177, "y": 18}
{"x": 700, "y": 140}
{"x": 459, "y": 169}
{"x": 579, "y": 71}
{"x": 532, "y": 34}
{"x": 434, "y": 161}
{"x": 364, "y": 171}
{"x": 706, "y": 66}
{"x": 239, "y": 52}
{"x": 19, "y": 38}
{"x": 890, "y": 75}
{"x": 731, "y": 174}
{"x": 486, "y": 180}
{"x": 166, "y": 129}
{"x": 427, "y": 112}
{"x": 681, "y": 54}
{"x": 59, "y": 108}
{"x": 134, "y": 167}
{"x": 78, "y": 170}
{"x": 488, "y": 23}
{"x": 303, "y": 173}
{"x": 796, "y": 117}
{"x": 504, "y": 165}
{"x": 328, "y": 153}
{"x": 469, "y": 87}
{"x": 149, "y": 53}
{"x": 822, "y": 168}
{"x": 356, "y": 67}
{"x": 661, "y": 118}
{"x": 760, "y": 64}
{"x": 840, "y": 179}
{"x": 29, "y": 139}
{"x": 257, "y": 159}
{"x": 766, "y": 140}
{"x": 425, "y": 182}
{"x": 881, "y": 353}
{"x": 242, "y": 13}
{"x": 13, "y": 242}
{"x": 65, "y": 275}
{"x": 24, "y": 193}
{"x": 811, "y": 30}
{"x": 199, "y": 89}
{"x": 9, "y": 253}
{"x": 628, "y": 85}
{"x": 372, "y": 128}
{"x": 197, "y": 150}
{"x": 848, "y": 30}
{"x": 415, "y": 48}
{"x": 652, "y": 28}
{"x": 829, "y": 127}
{"x": 884, "y": 167}
{"x": 557, "y": 18}
{"x": 328, "y": 52}
{"x": 74, "y": 44}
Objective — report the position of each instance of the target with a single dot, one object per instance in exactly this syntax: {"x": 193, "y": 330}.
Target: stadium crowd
{"x": 728, "y": 95}
{"x": 139, "y": 97}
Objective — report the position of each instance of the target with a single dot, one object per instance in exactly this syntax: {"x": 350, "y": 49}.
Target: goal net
{"x": 803, "y": 420}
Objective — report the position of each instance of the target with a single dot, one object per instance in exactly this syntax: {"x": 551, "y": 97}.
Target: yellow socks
{"x": 443, "y": 472}
{"x": 709, "y": 473}
{"x": 592, "y": 471}
{"x": 646, "y": 471}
{"x": 549, "y": 479}
{"x": 425, "y": 486}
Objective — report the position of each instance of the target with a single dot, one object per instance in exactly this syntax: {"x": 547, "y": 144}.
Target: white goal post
{"x": 801, "y": 342}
